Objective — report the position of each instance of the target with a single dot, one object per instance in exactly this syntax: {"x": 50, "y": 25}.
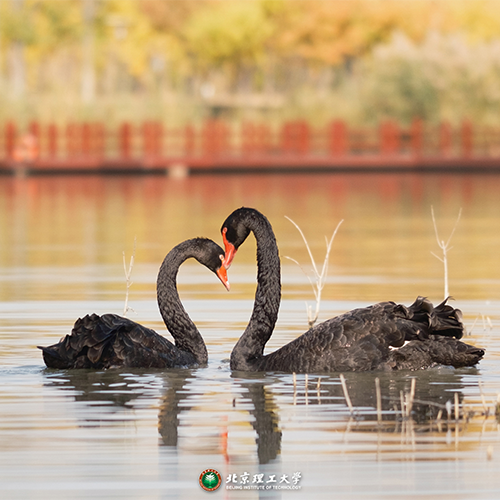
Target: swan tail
{"x": 442, "y": 320}
{"x": 86, "y": 345}
{"x": 437, "y": 350}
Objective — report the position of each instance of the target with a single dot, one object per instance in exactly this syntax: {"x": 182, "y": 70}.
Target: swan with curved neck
{"x": 384, "y": 336}
{"x": 110, "y": 340}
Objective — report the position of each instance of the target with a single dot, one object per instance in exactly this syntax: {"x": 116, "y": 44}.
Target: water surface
{"x": 149, "y": 434}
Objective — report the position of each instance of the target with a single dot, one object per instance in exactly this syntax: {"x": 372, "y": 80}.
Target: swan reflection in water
{"x": 111, "y": 396}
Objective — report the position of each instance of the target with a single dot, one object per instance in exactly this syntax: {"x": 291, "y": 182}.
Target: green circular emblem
{"x": 210, "y": 479}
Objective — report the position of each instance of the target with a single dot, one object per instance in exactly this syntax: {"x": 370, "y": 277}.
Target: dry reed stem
{"x": 320, "y": 278}
{"x": 411, "y": 397}
{"x": 346, "y": 394}
{"x": 294, "y": 388}
{"x": 483, "y": 401}
{"x": 128, "y": 273}
{"x": 473, "y": 325}
{"x": 379, "y": 400}
{"x": 448, "y": 410}
{"x": 438, "y": 420}
{"x": 445, "y": 247}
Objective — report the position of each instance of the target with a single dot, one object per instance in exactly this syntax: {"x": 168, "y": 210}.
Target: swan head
{"x": 209, "y": 254}
{"x": 235, "y": 231}
{"x": 216, "y": 264}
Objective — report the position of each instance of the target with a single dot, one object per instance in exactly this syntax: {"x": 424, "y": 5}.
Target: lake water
{"x": 149, "y": 434}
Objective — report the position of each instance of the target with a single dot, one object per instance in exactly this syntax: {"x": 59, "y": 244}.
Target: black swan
{"x": 110, "y": 340}
{"x": 384, "y": 336}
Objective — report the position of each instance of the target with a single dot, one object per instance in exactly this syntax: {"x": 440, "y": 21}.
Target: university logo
{"x": 210, "y": 479}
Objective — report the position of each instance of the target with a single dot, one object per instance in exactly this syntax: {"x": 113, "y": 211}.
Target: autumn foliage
{"x": 360, "y": 60}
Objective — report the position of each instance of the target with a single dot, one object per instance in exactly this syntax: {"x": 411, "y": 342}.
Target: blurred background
{"x": 183, "y": 61}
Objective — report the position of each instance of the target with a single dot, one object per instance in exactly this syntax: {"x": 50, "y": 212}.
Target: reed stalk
{"x": 346, "y": 393}
{"x": 128, "y": 274}
{"x": 445, "y": 248}
{"x": 319, "y": 277}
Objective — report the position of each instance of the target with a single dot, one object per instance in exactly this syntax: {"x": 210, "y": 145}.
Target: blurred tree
{"x": 170, "y": 15}
{"x": 443, "y": 77}
{"x": 88, "y": 82}
{"x": 229, "y": 33}
{"x": 16, "y": 29}
{"x": 331, "y": 32}
{"x": 479, "y": 19}
{"x": 114, "y": 51}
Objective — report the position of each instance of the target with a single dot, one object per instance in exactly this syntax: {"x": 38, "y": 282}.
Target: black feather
{"x": 110, "y": 340}
{"x": 363, "y": 339}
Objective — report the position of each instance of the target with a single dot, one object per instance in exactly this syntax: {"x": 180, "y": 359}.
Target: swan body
{"x": 384, "y": 336}
{"x": 110, "y": 340}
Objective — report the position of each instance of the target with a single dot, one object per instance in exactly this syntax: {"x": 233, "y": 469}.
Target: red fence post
{"x": 125, "y": 134}
{"x": 417, "y": 137}
{"x": 31, "y": 142}
{"x": 86, "y": 140}
{"x": 286, "y": 137}
{"x": 52, "y": 140}
{"x": 208, "y": 143}
{"x": 395, "y": 137}
{"x": 467, "y": 139}
{"x": 72, "y": 146}
{"x": 303, "y": 137}
{"x": 152, "y": 133}
{"x": 248, "y": 138}
{"x": 160, "y": 138}
{"x": 338, "y": 138}
{"x": 99, "y": 143}
{"x": 295, "y": 137}
{"x": 189, "y": 140}
{"x": 383, "y": 146}
{"x": 34, "y": 130}
{"x": 10, "y": 139}
{"x": 146, "y": 139}
{"x": 223, "y": 138}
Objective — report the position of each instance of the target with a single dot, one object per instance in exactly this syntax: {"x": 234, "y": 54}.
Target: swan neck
{"x": 178, "y": 323}
{"x": 249, "y": 349}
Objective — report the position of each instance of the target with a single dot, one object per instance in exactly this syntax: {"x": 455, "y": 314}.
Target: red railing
{"x": 217, "y": 144}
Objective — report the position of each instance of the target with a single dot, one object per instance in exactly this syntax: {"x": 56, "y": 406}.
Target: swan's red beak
{"x": 222, "y": 275}
{"x": 229, "y": 250}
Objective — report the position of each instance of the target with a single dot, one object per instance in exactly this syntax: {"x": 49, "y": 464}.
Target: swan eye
{"x": 221, "y": 257}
